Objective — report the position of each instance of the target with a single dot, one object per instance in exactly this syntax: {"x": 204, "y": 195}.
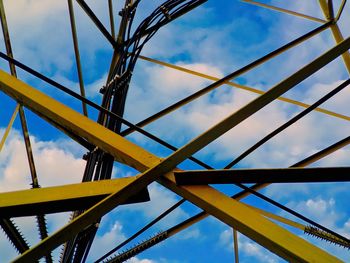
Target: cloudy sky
{"x": 216, "y": 39}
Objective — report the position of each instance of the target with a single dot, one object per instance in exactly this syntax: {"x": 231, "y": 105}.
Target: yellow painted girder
{"x": 9, "y": 126}
{"x": 61, "y": 198}
{"x": 121, "y": 149}
{"x": 250, "y": 223}
{"x": 156, "y": 166}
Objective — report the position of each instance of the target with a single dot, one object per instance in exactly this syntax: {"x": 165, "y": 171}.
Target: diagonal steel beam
{"x": 132, "y": 154}
{"x": 250, "y": 223}
{"x": 77, "y": 53}
{"x": 57, "y": 113}
{"x": 97, "y": 22}
{"x": 336, "y": 32}
{"x": 340, "y": 10}
{"x": 248, "y": 176}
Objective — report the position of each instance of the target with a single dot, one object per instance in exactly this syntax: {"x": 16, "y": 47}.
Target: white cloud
{"x": 137, "y": 260}
{"x": 104, "y": 242}
{"x": 54, "y": 164}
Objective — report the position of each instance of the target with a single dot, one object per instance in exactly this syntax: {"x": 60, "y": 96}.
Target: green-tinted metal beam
{"x": 63, "y": 198}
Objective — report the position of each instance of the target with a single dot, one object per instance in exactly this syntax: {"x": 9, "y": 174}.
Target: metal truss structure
{"x": 99, "y": 193}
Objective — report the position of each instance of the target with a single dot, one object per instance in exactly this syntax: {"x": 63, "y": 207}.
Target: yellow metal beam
{"x": 62, "y": 198}
{"x": 9, "y": 126}
{"x": 285, "y": 11}
{"x": 53, "y": 111}
{"x": 308, "y": 161}
{"x": 243, "y": 87}
{"x": 136, "y": 156}
{"x": 250, "y": 223}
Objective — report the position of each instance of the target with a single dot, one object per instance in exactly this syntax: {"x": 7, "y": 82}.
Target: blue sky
{"x": 216, "y": 39}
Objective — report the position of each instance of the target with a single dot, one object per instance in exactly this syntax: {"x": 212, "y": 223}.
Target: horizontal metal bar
{"x": 285, "y": 175}
{"x": 63, "y": 198}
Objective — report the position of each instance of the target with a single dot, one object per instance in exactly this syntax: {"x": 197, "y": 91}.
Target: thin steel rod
{"x": 40, "y": 218}
{"x": 285, "y": 11}
{"x": 97, "y": 22}
{"x": 224, "y": 80}
{"x": 287, "y": 124}
{"x": 276, "y": 175}
{"x": 325, "y": 6}
{"x": 77, "y": 53}
{"x": 29, "y": 150}
{"x": 111, "y": 17}
{"x": 278, "y": 218}
{"x": 340, "y": 11}
{"x": 330, "y": 9}
{"x": 235, "y": 245}
{"x": 336, "y": 32}
{"x": 7, "y": 40}
{"x": 9, "y": 126}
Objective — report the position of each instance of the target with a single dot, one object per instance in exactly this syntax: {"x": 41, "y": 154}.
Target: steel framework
{"x": 104, "y": 138}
